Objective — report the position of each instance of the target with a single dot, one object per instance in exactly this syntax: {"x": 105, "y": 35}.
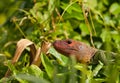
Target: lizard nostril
{"x": 69, "y": 41}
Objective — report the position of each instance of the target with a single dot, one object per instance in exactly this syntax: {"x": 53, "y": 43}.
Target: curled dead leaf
{"x": 34, "y": 53}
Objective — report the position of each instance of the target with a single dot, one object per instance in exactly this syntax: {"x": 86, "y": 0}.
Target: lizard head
{"x": 80, "y": 50}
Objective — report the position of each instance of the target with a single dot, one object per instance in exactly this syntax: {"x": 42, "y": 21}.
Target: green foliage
{"x": 49, "y": 68}
{"x": 49, "y": 20}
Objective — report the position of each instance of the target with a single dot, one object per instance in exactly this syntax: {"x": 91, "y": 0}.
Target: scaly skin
{"x": 80, "y": 50}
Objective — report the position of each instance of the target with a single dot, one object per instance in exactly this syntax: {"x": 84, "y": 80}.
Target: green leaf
{"x": 92, "y": 3}
{"x": 55, "y": 54}
{"x": 84, "y": 29}
{"x": 82, "y": 68}
{"x": 72, "y": 10}
{"x": 11, "y": 67}
{"x": 76, "y": 15}
{"x": 49, "y": 68}
{"x": 30, "y": 79}
{"x": 51, "y": 6}
{"x": 115, "y": 8}
{"x": 2, "y": 58}
{"x": 35, "y": 70}
{"x": 115, "y": 36}
{"x": 61, "y": 58}
{"x": 71, "y": 7}
{"x": 97, "y": 69}
{"x": 105, "y": 35}
{"x": 2, "y": 19}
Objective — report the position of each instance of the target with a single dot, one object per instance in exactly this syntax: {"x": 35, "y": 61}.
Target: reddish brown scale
{"x": 80, "y": 50}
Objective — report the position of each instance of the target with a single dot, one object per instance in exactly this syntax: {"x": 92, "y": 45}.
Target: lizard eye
{"x": 69, "y": 41}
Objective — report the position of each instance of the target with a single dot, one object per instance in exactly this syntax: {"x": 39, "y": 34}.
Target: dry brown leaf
{"x": 45, "y": 46}
{"x": 34, "y": 53}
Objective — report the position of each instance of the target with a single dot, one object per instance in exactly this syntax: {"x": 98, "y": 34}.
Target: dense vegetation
{"x": 95, "y": 22}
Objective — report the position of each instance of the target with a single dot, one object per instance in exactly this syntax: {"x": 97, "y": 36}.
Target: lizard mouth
{"x": 58, "y": 44}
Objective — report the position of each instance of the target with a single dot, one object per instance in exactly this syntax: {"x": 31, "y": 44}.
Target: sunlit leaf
{"x": 84, "y": 29}
{"x": 35, "y": 70}
{"x": 71, "y": 8}
{"x": 75, "y": 15}
{"x": 114, "y": 8}
{"x": 30, "y": 78}
{"x": 48, "y": 65}
{"x": 97, "y": 69}
{"x": 56, "y": 54}
{"x": 105, "y": 35}
{"x": 2, "y": 19}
